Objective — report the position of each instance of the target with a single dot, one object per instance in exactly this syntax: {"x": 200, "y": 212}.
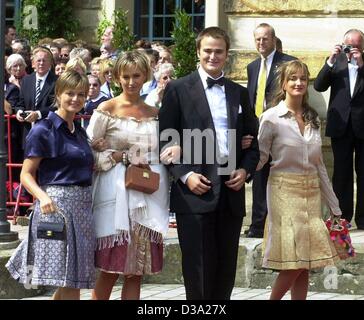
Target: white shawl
{"x": 117, "y": 210}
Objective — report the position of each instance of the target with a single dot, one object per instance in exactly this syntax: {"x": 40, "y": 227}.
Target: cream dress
{"x": 130, "y": 225}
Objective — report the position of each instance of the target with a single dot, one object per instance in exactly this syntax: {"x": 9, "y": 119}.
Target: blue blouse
{"x": 67, "y": 157}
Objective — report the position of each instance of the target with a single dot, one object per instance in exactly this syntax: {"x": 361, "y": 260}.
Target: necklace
{"x": 73, "y": 128}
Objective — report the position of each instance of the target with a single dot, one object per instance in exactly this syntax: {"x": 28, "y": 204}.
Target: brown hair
{"x": 71, "y": 79}
{"x": 214, "y": 32}
{"x": 134, "y": 58}
{"x": 285, "y": 71}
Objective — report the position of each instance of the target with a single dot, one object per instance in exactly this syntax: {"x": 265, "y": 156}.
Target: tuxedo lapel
{"x": 232, "y": 104}
{"x": 359, "y": 85}
{"x": 199, "y": 100}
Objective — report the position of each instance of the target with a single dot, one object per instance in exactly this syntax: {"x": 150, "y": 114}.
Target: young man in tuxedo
{"x": 343, "y": 72}
{"x": 261, "y": 85}
{"x": 207, "y": 193}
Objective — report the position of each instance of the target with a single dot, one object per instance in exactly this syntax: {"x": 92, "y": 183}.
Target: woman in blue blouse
{"x": 57, "y": 170}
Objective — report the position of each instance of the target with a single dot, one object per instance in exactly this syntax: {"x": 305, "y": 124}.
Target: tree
{"x": 123, "y": 38}
{"x": 54, "y": 20}
{"x": 184, "y": 49}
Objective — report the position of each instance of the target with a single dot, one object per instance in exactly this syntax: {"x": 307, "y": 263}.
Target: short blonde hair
{"x": 74, "y": 62}
{"x": 43, "y": 49}
{"x": 105, "y": 65}
{"x": 134, "y": 58}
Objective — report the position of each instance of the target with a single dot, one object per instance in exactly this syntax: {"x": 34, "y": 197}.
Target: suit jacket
{"x": 341, "y": 104}
{"x": 12, "y": 95}
{"x": 185, "y": 106}
{"x": 253, "y": 73}
{"x": 27, "y": 97}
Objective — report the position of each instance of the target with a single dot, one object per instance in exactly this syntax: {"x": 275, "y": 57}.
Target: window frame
{"x": 150, "y": 16}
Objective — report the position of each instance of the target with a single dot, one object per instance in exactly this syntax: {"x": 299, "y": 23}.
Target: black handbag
{"x": 52, "y": 230}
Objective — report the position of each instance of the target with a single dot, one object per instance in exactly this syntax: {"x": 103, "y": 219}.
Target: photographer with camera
{"x": 344, "y": 73}
{"x": 37, "y": 90}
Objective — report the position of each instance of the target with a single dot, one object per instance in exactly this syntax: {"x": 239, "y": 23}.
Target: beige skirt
{"x": 295, "y": 235}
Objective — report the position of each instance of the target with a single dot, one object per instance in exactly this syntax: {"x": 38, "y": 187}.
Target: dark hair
{"x": 284, "y": 72}
{"x": 9, "y": 27}
{"x": 214, "y": 32}
{"x": 152, "y": 52}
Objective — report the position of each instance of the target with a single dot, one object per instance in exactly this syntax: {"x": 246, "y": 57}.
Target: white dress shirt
{"x": 43, "y": 78}
{"x": 353, "y": 74}
{"x": 216, "y": 99}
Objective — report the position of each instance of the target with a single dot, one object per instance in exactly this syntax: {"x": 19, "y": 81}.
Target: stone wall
{"x": 89, "y": 13}
{"x": 308, "y": 29}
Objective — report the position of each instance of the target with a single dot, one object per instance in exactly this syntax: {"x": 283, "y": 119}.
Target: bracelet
{"x": 112, "y": 160}
{"x": 125, "y": 158}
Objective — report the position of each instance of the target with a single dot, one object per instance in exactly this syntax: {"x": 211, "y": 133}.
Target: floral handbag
{"x": 339, "y": 234}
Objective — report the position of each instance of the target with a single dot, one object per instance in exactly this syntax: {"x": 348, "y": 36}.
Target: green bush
{"x": 55, "y": 20}
{"x": 184, "y": 48}
{"x": 123, "y": 37}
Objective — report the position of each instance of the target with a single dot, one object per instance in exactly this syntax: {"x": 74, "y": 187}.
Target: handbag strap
{"x": 30, "y": 231}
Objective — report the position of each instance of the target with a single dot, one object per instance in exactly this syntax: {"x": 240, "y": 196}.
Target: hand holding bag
{"x": 141, "y": 179}
{"x": 52, "y": 230}
{"x": 339, "y": 234}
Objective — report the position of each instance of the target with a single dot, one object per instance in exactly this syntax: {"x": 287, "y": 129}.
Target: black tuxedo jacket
{"x": 185, "y": 106}
{"x": 253, "y": 73}
{"x": 341, "y": 104}
{"x": 27, "y": 97}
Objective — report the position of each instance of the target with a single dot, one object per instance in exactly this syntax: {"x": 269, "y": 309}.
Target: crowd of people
{"x": 266, "y": 133}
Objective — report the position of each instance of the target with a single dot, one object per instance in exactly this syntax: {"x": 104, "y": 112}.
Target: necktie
{"x": 259, "y": 104}
{"x": 211, "y": 82}
{"x": 37, "y": 91}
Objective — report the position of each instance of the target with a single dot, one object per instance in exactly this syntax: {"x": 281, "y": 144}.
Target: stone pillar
{"x": 212, "y": 13}
{"x": 89, "y": 13}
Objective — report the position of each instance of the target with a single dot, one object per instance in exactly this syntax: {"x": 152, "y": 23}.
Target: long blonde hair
{"x": 284, "y": 72}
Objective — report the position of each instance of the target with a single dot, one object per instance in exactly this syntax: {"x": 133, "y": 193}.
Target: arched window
{"x": 154, "y": 18}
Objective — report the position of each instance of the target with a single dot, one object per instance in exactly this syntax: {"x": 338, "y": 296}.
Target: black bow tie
{"x": 211, "y": 82}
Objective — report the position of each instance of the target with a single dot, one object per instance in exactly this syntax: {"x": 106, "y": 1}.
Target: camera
{"x": 24, "y": 114}
{"x": 346, "y": 48}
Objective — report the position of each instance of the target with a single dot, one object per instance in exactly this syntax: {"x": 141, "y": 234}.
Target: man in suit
{"x": 208, "y": 193}
{"x": 261, "y": 85}
{"x": 37, "y": 90}
{"x": 344, "y": 73}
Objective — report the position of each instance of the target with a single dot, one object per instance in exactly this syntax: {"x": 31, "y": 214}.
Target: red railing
{"x": 15, "y": 203}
